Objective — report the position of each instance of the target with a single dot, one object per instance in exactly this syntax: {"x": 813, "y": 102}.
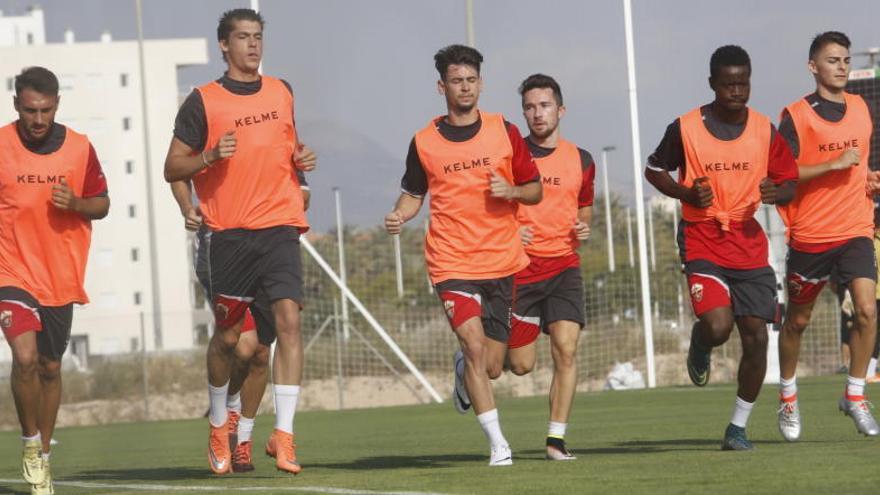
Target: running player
{"x": 52, "y": 188}
{"x": 550, "y": 291}
{"x": 477, "y": 168}
{"x": 729, "y": 160}
{"x": 830, "y": 225}
{"x": 250, "y": 375}
{"x": 242, "y": 168}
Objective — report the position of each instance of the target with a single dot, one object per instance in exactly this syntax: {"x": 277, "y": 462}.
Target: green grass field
{"x": 657, "y": 441}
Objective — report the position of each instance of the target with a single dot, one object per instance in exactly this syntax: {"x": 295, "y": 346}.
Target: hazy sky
{"x": 364, "y": 80}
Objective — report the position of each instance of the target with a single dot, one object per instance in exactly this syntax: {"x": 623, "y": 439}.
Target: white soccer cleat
{"x": 789, "y": 419}
{"x": 557, "y": 451}
{"x": 501, "y": 456}
{"x": 33, "y": 469}
{"x": 460, "y": 398}
{"x": 860, "y": 412}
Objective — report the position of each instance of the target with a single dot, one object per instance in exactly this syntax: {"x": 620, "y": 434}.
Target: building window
{"x": 123, "y": 80}
{"x": 129, "y": 166}
{"x": 10, "y": 84}
{"x": 126, "y": 123}
{"x": 137, "y": 298}
{"x": 30, "y": 38}
{"x": 134, "y": 254}
{"x": 131, "y": 211}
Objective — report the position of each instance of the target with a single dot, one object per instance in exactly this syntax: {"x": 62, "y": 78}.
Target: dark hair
{"x": 727, "y": 56}
{"x": 827, "y": 38}
{"x": 456, "y": 55}
{"x": 39, "y": 79}
{"x": 228, "y": 19}
{"x": 541, "y": 81}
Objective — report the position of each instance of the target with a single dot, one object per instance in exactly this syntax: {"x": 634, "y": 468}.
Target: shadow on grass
{"x": 647, "y": 447}
{"x": 143, "y": 474}
{"x": 400, "y": 461}
{"x": 6, "y": 489}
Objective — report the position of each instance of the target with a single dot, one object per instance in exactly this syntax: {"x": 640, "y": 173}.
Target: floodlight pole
{"x": 608, "y": 230}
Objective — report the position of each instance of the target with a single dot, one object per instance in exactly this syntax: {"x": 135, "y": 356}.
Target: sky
{"x": 364, "y": 79}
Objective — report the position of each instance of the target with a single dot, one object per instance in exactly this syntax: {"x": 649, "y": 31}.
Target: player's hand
{"x": 304, "y": 158}
{"x": 768, "y": 191}
{"x": 225, "y": 148}
{"x": 526, "y": 235}
{"x": 393, "y": 222}
{"x": 63, "y": 198}
{"x": 701, "y": 194}
{"x": 192, "y": 219}
{"x": 872, "y": 187}
{"x": 499, "y": 187}
{"x": 582, "y": 230}
{"x": 847, "y": 304}
{"x": 849, "y": 158}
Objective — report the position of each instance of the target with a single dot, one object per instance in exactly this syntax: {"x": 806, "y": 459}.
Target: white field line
{"x": 204, "y": 488}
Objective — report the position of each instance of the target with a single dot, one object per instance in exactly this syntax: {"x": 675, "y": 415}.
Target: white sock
{"x": 741, "y": 412}
{"x": 556, "y": 429}
{"x": 45, "y": 455}
{"x": 217, "y": 396}
{"x": 788, "y": 388}
{"x": 872, "y": 367}
{"x": 233, "y": 402}
{"x": 855, "y": 387}
{"x": 491, "y": 426}
{"x": 28, "y": 439}
{"x": 245, "y": 429}
{"x": 285, "y": 406}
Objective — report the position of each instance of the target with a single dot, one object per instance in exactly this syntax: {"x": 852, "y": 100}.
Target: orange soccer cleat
{"x": 281, "y": 447}
{"x": 219, "y": 455}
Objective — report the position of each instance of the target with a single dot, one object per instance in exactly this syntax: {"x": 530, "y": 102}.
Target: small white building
{"x": 101, "y": 97}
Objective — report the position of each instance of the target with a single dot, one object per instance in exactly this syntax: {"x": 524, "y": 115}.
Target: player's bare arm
{"x": 407, "y": 206}
{"x": 93, "y": 208}
{"x": 699, "y": 195}
{"x": 527, "y": 194}
{"x": 848, "y": 158}
{"x": 182, "y": 164}
{"x": 182, "y": 192}
{"x": 582, "y": 225}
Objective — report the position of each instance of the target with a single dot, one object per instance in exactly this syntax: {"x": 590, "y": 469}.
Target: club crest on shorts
{"x": 449, "y": 306}
{"x": 221, "y": 311}
{"x": 697, "y": 292}
{"x": 6, "y": 318}
{"x": 795, "y": 287}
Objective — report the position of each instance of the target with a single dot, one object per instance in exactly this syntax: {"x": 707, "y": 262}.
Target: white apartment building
{"x": 101, "y": 97}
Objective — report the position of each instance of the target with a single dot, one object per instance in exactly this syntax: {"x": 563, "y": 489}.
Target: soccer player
{"x": 53, "y": 188}
{"x": 830, "y": 225}
{"x": 550, "y": 291}
{"x": 235, "y": 139}
{"x": 729, "y": 160}
{"x": 477, "y": 169}
{"x": 250, "y": 371}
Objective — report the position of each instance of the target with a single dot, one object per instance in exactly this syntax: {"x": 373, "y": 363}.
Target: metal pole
{"x": 148, "y": 170}
{"x": 650, "y": 215}
{"x": 340, "y": 384}
{"x": 340, "y": 243}
{"x": 640, "y": 195}
{"x": 144, "y": 368}
{"x": 469, "y": 20}
{"x": 629, "y": 238}
{"x": 427, "y": 278}
{"x": 346, "y": 292}
{"x": 398, "y": 264}
{"x": 608, "y": 230}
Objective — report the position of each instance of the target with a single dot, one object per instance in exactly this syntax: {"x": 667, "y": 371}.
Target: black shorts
{"x": 539, "y": 304}
{"x": 20, "y": 312}
{"x": 489, "y": 300}
{"x": 807, "y": 273}
{"x": 748, "y": 292}
{"x": 260, "y": 308}
{"x": 243, "y": 263}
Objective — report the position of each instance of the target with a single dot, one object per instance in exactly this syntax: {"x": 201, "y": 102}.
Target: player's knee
{"x": 520, "y": 369}
{"x": 564, "y": 359}
{"x": 474, "y": 350}
{"x": 25, "y": 363}
{"x": 718, "y": 331}
{"x": 796, "y": 322}
{"x": 226, "y": 338}
{"x": 867, "y": 313}
{"x": 260, "y": 358}
{"x": 49, "y": 369}
{"x": 287, "y": 322}
{"x": 494, "y": 371}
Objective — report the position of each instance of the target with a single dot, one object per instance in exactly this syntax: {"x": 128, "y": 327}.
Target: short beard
{"x": 545, "y": 134}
